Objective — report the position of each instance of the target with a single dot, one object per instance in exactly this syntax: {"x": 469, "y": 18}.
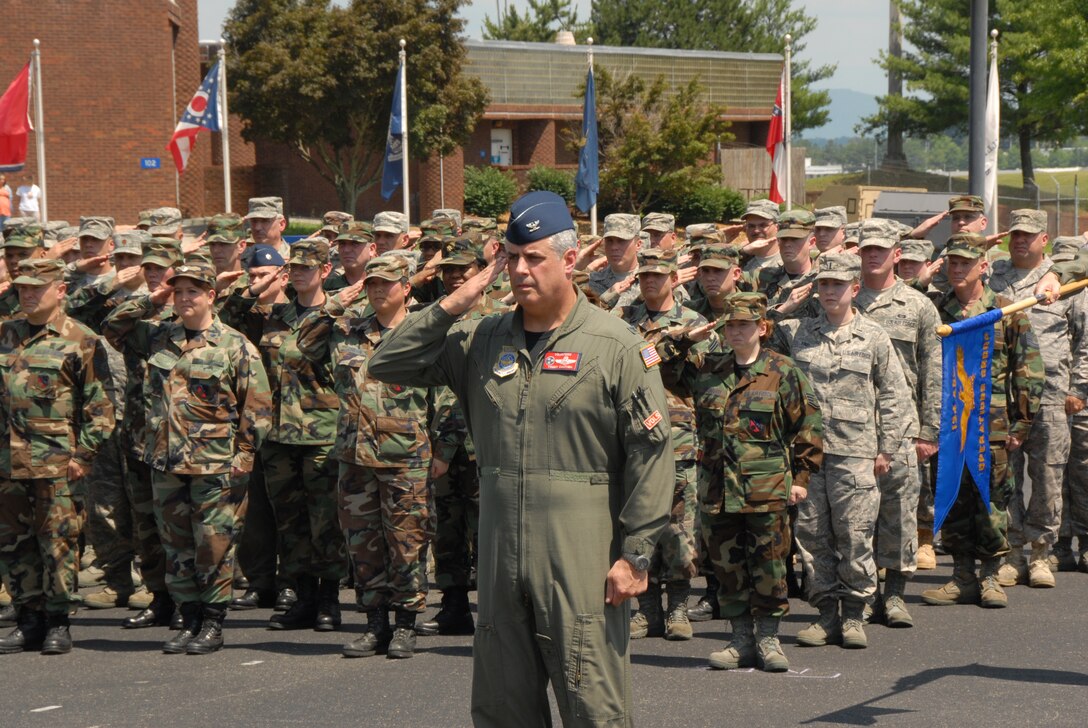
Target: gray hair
{"x": 563, "y": 241}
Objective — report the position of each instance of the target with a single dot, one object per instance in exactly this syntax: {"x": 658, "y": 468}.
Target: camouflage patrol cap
{"x": 387, "y": 268}
{"x": 966, "y": 203}
{"x": 1065, "y": 248}
{"x": 878, "y": 233}
{"x": 435, "y": 242}
{"x": 966, "y": 245}
{"x": 839, "y": 267}
{"x": 24, "y": 237}
{"x": 795, "y": 224}
{"x": 701, "y": 230}
{"x": 438, "y": 227}
{"x": 132, "y": 242}
{"x": 761, "y": 208}
{"x": 52, "y": 229}
{"x": 916, "y": 250}
{"x": 391, "y": 222}
{"x": 40, "y": 271}
{"x": 745, "y": 307}
{"x": 226, "y": 221}
{"x": 164, "y": 221}
{"x": 311, "y": 252}
{"x": 464, "y": 250}
{"x": 621, "y": 225}
{"x": 656, "y": 261}
{"x": 226, "y": 236}
{"x": 356, "y": 231}
{"x": 162, "y": 252}
{"x": 100, "y": 228}
{"x": 719, "y": 256}
{"x": 198, "y": 271}
{"x": 71, "y": 231}
{"x": 831, "y": 217}
{"x": 850, "y": 233}
{"x": 17, "y": 222}
{"x": 143, "y": 219}
{"x": 659, "y": 222}
{"x": 334, "y": 219}
{"x": 1028, "y": 221}
{"x": 485, "y": 224}
{"x": 265, "y": 208}
{"x": 448, "y": 213}
{"x": 410, "y": 257}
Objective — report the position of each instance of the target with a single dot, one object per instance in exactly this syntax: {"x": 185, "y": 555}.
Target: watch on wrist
{"x": 638, "y": 561}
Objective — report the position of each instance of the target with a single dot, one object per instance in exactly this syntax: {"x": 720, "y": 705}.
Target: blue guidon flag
{"x": 201, "y": 113}
{"x": 587, "y": 182}
{"x": 964, "y": 440}
{"x": 392, "y": 173}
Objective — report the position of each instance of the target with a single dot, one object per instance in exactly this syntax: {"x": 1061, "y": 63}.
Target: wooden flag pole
{"x": 945, "y": 329}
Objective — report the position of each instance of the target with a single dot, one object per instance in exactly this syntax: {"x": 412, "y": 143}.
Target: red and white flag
{"x": 202, "y": 113}
{"x": 15, "y": 122}
{"x": 776, "y": 145}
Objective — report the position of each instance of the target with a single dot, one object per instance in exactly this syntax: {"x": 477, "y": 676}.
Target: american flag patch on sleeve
{"x": 650, "y": 357}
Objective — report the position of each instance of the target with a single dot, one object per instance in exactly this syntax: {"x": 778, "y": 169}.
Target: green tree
{"x": 746, "y": 26}
{"x": 319, "y": 77}
{"x": 539, "y": 23}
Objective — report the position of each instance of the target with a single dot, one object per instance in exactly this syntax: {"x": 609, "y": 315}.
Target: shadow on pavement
{"x": 668, "y": 661}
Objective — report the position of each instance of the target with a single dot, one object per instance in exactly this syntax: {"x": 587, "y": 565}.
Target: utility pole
{"x": 894, "y": 155}
{"x": 976, "y": 124}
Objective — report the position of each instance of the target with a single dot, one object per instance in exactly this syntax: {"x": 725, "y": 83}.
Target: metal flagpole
{"x": 39, "y": 128}
{"x": 787, "y": 102}
{"x": 404, "y": 123}
{"x": 593, "y": 209}
{"x": 223, "y": 134}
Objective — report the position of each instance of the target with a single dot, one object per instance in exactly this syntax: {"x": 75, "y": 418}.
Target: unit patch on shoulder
{"x": 650, "y": 357}
{"x": 651, "y": 422}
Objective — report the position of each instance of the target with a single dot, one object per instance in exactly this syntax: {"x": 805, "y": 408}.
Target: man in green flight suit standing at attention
{"x": 571, "y": 427}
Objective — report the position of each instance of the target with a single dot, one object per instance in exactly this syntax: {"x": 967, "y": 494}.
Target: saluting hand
{"x": 586, "y": 254}
{"x": 62, "y": 247}
{"x": 161, "y": 295}
{"x": 928, "y": 224}
{"x": 470, "y": 291}
{"x": 686, "y": 275}
{"x": 88, "y": 263}
{"x": 193, "y": 244}
{"x": 347, "y": 296}
{"x": 925, "y": 275}
{"x": 731, "y": 233}
{"x": 224, "y": 279}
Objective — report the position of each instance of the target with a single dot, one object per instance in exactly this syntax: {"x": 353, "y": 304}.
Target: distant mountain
{"x": 847, "y": 109}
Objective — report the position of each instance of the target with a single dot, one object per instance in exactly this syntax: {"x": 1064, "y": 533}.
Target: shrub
{"x": 707, "y": 203}
{"x": 488, "y": 191}
{"x": 559, "y": 181}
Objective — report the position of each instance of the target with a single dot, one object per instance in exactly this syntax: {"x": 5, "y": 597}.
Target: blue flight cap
{"x": 264, "y": 255}
{"x": 537, "y": 215}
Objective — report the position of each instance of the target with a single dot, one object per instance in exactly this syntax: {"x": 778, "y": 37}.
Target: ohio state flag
{"x": 202, "y": 113}
{"x": 15, "y": 122}
{"x": 776, "y": 145}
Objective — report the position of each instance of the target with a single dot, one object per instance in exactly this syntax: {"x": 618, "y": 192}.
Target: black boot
{"x": 375, "y": 640}
{"x": 160, "y": 613}
{"x": 454, "y": 618}
{"x": 210, "y": 638}
{"x": 253, "y": 599}
{"x": 285, "y": 599}
{"x": 58, "y": 640}
{"x": 328, "y": 605}
{"x": 192, "y": 619}
{"x": 9, "y": 616}
{"x": 177, "y": 622}
{"x": 302, "y": 614}
{"x": 707, "y": 607}
{"x": 28, "y": 634}
{"x": 403, "y": 644}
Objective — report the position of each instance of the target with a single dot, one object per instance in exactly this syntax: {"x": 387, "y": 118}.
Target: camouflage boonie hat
{"x": 719, "y": 256}
{"x": 761, "y": 208}
{"x": 131, "y": 242}
{"x": 164, "y": 221}
{"x": 966, "y": 203}
{"x": 51, "y": 230}
{"x": 1028, "y": 221}
{"x": 24, "y": 237}
{"x": 831, "y": 217}
{"x": 100, "y": 228}
{"x": 447, "y": 213}
{"x": 878, "y": 233}
{"x": 162, "y": 253}
{"x": 266, "y": 208}
{"x": 795, "y": 224}
{"x": 464, "y": 250}
{"x": 659, "y": 222}
{"x": 195, "y": 270}
{"x": 656, "y": 261}
{"x": 851, "y": 232}
{"x": 334, "y": 219}
{"x": 391, "y": 222}
{"x": 40, "y": 271}
{"x": 226, "y": 221}
{"x": 387, "y": 268}
{"x": 1065, "y": 248}
{"x": 438, "y": 227}
{"x": 621, "y": 225}
{"x": 966, "y": 245}
{"x": 356, "y": 231}
{"x": 311, "y": 252}
{"x": 479, "y": 223}
{"x": 839, "y": 267}
{"x": 745, "y": 307}
{"x": 916, "y": 250}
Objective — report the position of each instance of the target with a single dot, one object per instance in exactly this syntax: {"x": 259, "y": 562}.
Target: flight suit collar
{"x": 515, "y": 325}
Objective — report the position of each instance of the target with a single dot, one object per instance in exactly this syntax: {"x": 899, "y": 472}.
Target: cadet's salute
{"x": 570, "y": 422}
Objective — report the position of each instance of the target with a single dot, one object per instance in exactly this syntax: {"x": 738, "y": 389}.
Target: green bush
{"x": 559, "y": 181}
{"x": 707, "y": 203}
{"x": 488, "y": 191}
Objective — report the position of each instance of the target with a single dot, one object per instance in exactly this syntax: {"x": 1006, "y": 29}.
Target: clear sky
{"x": 849, "y": 32}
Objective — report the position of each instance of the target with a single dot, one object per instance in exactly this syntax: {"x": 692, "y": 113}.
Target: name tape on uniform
{"x": 561, "y": 361}
{"x": 651, "y": 422}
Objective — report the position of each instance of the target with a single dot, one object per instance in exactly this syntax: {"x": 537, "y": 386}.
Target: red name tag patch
{"x": 561, "y": 361}
{"x": 651, "y": 422}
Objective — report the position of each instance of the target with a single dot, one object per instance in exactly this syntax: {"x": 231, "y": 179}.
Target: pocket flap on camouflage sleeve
{"x": 45, "y": 426}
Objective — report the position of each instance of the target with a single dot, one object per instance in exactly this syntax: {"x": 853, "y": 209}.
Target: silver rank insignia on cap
{"x": 507, "y": 364}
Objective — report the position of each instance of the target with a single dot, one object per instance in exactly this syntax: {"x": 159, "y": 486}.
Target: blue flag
{"x": 394, "y": 142}
{"x": 586, "y": 183}
{"x": 964, "y": 440}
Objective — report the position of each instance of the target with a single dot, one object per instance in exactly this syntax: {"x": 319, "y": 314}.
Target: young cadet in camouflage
{"x": 865, "y": 406}
{"x": 1059, "y": 329}
{"x": 500, "y": 289}
{"x": 384, "y": 452}
{"x": 673, "y": 563}
{"x": 621, "y": 245}
{"x": 568, "y": 415}
{"x": 299, "y": 472}
{"x": 789, "y": 285}
{"x": 426, "y": 283}
{"x": 54, "y": 417}
{"x": 453, "y": 471}
{"x": 911, "y": 321}
{"x": 19, "y": 245}
{"x": 760, "y": 228}
{"x": 355, "y": 248}
{"x": 1017, "y": 375}
{"x": 208, "y": 410}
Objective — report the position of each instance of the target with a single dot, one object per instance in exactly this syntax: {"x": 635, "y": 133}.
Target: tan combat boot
{"x": 769, "y": 654}
{"x": 108, "y": 598}
{"x": 963, "y": 589}
{"x": 895, "y": 609}
{"x": 826, "y": 630}
{"x": 853, "y": 625}
{"x": 1039, "y": 574}
{"x": 741, "y": 650}
{"x": 648, "y": 621}
{"x": 677, "y": 626}
{"x": 1015, "y": 569}
{"x": 927, "y": 557}
{"x": 993, "y": 596}
{"x": 5, "y": 598}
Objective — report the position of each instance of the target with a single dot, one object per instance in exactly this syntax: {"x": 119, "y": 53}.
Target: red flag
{"x": 15, "y": 122}
{"x": 776, "y": 146}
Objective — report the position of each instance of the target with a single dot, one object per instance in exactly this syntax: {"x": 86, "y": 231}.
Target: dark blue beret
{"x": 537, "y": 215}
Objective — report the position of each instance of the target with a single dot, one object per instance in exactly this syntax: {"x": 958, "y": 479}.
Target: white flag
{"x": 993, "y": 137}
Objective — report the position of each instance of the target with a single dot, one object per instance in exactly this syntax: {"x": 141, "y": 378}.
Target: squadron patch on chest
{"x": 561, "y": 361}
{"x": 506, "y": 365}
{"x": 650, "y": 357}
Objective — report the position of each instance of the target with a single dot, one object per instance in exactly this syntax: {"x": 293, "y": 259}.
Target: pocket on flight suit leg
{"x": 488, "y": 675}
{"x": 596, "y": 669}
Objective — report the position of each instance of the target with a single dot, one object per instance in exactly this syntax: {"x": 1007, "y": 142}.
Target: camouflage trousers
{"x": 969, "y": 529}
{"x": 256, "y": 541}
{"x": 198, "y": 520}
{"x": 301, "y": 483}
{"x": 1075, "y": 486}
{"x": 385, "y": 515}
{"x": 926, "y": 478}
{"x": 675, "y": 556}
{"x": 145, "y": 528}
{"x": 896, "y": 543}
{"x": 835, "y": 526}
{"x": 456, "y": 522}
{"x": 749, "y": 552}
{"x": 109, "y": 512}
{"x": 1046, "y": 451}
{"x": 39, "y": 535}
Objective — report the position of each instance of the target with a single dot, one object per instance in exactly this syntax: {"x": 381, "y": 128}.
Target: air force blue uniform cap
{"x": 537, "y": 215}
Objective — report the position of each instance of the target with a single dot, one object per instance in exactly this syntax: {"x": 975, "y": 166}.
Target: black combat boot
{"x": 29, "y": 632}
{"x": 9, "y": 616}
{"x": 707, "y": 607}
{"x": 285, "y": 599}
{"x": 303, "y": 613}
{"x": 58, "y": 640}
{"x": 160, "y": 613}
{"x": 210, "y": 638}
{"x": 254, "y": 599}
{"x": 403, "y": 644}
{"x": 454, "y": 618}
{"x": 192, "y": 619}
{"x": 375, "y": 640}
{"x": 328, "y": 605}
